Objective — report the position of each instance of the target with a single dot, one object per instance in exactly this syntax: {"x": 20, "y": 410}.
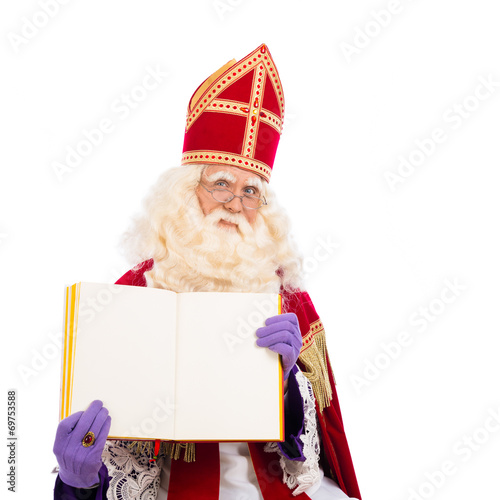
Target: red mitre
{"x": 235, "y": 117}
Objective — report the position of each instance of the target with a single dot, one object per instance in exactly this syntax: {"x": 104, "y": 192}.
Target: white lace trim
{"x": 297, "y": 474}
{"x": 131, "y": 477}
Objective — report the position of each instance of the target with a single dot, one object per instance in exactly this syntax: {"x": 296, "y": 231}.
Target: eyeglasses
{"x": 225, "y": 196}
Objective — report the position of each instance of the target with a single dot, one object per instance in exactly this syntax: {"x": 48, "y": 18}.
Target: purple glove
{"x": 77, "y": 451}
{"x": 282, "y": 335}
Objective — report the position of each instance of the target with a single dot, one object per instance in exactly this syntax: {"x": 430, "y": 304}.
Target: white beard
{"x": 204, "y": 256}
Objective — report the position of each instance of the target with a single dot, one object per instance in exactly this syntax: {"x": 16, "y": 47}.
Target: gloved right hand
{"x": 79, "y": 444}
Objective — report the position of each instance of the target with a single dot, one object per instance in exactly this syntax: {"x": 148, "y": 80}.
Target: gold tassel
{"x": 141, "y": 447}
{"x": 176, "y": 451}
{"x": 189, "y": 454}
{"x": 314, "y": 360}
{"x": 167, "y": 448}
{"x": 189, "y": 451}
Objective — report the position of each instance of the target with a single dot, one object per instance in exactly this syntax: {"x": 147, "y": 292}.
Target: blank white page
{"x": 125, "y": 359}
{"x": 227, "y": 387}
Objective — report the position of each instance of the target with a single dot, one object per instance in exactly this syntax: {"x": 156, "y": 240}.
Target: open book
{"x": 172, "y": 366}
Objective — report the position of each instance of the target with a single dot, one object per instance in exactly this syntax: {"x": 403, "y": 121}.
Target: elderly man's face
{"x": 236, "y": 180}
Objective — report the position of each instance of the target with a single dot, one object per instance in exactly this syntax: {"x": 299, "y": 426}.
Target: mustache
{"x": 221, "y": 213}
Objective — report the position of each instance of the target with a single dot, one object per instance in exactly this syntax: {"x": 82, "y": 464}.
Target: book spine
{"x": 71, "y": 325}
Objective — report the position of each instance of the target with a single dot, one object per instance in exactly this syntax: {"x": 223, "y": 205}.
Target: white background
{"x": 350, "y": 114}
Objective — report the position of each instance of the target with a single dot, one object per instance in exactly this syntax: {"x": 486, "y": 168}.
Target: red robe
{"x": 333, "y": 438}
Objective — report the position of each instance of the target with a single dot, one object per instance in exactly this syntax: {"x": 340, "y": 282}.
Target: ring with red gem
{"x": 89, "y": 439}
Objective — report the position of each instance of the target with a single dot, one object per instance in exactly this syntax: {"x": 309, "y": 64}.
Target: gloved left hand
{"x": 282, "y": 335}
{"x": 79, "y": 443}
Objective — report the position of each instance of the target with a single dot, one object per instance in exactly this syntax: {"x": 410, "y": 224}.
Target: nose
{"x": 234, "y": 206}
